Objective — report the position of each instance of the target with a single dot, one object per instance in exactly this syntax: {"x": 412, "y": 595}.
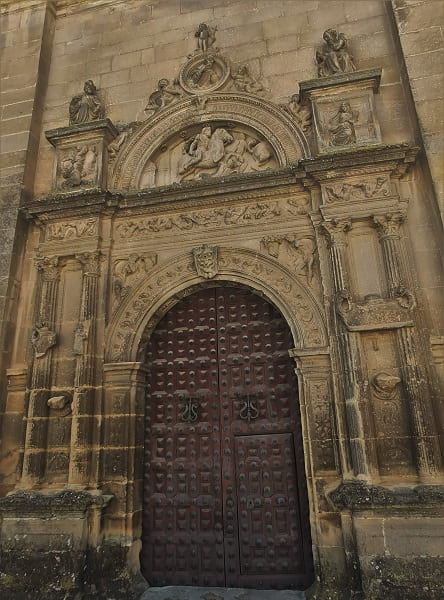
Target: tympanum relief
{"x": 211, "y": 150}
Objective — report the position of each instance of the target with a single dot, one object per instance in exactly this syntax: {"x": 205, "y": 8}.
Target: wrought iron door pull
{"x": 190, "y": 411}
{"x": 248, "y": 410}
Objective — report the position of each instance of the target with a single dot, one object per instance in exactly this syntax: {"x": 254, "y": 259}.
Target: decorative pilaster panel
{"x": 122, "y": 445}
{"x": 428, "y": 456}
{"x": 43, "y": 340}
{"x": 356, "y": 408}
{"x": 85, "y": 351}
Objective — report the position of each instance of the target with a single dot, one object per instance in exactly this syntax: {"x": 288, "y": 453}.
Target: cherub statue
{"x": 334, "y": 57}
{"x": 87, "y": 106}
{"x": 162, "y": 96}
{"x": 206, "y": 36}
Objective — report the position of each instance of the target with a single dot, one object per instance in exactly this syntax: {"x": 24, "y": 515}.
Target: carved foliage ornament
{"x": 334, "y": 57}
{"x": 206, "y": 260}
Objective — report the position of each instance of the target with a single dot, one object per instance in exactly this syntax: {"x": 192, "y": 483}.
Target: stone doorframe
{"x": 124, "y": 393}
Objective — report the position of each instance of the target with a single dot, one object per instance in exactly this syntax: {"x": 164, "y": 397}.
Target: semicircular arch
{"x": 269, "y": 120}
{"x": 154, "y": 295}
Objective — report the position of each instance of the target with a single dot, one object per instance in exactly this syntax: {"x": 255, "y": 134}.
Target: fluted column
{"x": 428, "y": 456}
{"x": 43, "y": 339}
{"x": 83, "y": 396}
{"x": 360, "y": 452}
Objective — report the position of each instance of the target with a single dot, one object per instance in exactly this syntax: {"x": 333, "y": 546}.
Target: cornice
{"x": 396, "y": 158}
{"x": 190, "y": 194}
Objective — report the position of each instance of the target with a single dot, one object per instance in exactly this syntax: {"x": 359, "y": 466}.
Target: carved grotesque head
{"x": 206, "y": 260}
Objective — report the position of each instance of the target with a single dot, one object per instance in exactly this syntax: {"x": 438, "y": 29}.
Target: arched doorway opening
{"x": 225, "y": 500}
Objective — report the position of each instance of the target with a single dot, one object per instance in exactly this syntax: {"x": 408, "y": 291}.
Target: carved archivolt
{"x": 263, "y": 122}
{"x": 165, "y": 285}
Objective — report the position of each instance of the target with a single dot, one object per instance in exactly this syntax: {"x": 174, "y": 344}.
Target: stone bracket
{"x": 376, "y": 314}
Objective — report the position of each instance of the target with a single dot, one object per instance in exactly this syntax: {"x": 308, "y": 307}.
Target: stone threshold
{"x": 218, "y": 593}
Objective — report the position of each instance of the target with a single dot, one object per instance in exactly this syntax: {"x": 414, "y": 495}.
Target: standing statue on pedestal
{"x": 334, "y": 57}
{"x": 206, "y": 36}
{"x": 87, "y": 106}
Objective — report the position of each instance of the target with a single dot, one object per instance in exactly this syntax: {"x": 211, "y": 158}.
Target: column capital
{"x": 388, "y": 225}
{"x": 336, "y": 230}
{"x": 49, "y": 266}
{"x": 90, "y": 262}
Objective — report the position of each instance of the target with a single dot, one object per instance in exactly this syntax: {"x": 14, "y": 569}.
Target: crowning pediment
{"x": 211, "y": 121}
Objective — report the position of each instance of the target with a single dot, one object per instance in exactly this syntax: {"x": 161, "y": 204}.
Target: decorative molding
{"x": 259, "y": 272}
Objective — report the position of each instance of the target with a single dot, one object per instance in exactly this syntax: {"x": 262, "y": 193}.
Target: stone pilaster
{"x": 43, "y": 340}
{"x": 83, "y": 397}
{"x": 362, "y": 454}
{"x": 428, "y": 456}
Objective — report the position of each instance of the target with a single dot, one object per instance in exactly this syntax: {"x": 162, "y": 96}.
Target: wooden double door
{"x": 225, "y": 501}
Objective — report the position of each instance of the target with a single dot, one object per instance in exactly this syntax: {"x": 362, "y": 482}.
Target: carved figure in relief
{"x": 128, "y": 270}
{"x": 341, "y": 126}
{"x": 334, "y": 57}
{"x": 125, "y": 132}
{"x": 87, "y": 106}
{"x": 206, "y": 260}
{"x": 163, "y": 96}
{"x": 79, "y": 166}
{"x": 300, "y": 252}
{"x": 81, "y": 334}
{"x": 206, "y": 149}
{"x": 300, "y": 112}
{"x": 42, "y": 339}
{"x": 206, "y": 36}
{"x": 245, "y": 82}
{"x": 205, "y": 74}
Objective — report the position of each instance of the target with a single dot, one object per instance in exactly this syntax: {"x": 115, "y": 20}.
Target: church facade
{"x": 222, "y": 313}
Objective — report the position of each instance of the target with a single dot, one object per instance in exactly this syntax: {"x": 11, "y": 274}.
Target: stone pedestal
{"x": 45, "y": 542}
{"x": 343, "y": 109}
{"x": 81, "y": 155}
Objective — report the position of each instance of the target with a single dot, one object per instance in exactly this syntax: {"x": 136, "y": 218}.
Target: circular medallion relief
{"x": 204, "y": 73}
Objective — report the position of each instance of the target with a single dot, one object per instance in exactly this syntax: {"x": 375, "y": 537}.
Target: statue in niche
{"x": 245, "y": 82}
{"x": 163, "y": 96}
{"x": 206, "y": 260}
{"x": 204, "y": 75}
{"x": 206, "y": 36}
{"x": 334, "y": 57}
{"x": 87, "y": 106}
{"x": 341, "y": 126}
{"x": 79, "y": 166}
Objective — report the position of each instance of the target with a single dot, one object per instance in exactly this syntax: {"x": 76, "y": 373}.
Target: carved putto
{"x": 334, "y": 56}
{"x": 205, "y": 36}
{"x": 206, "y": 260}
{"x": 295, "y": 250}
{"x": 78, "y": 166}
{"x": 129, "y": 270}
{"x": 42, "y": 339}
{"x": 245, "y": 82}
{"x": 87, "y": 106}
{"x": 163, "y": 96}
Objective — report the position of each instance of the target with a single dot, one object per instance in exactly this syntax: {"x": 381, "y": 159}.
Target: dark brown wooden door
{"x": 225, "y": 502}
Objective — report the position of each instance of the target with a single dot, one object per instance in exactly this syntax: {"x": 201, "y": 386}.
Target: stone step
{"x": 218, "y": 593}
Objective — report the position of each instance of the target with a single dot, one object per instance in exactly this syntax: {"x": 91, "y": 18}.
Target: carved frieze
{"x": 206, "y": 260}
{"x": 61, "y": 231}
{"x": 355, "y": 190}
